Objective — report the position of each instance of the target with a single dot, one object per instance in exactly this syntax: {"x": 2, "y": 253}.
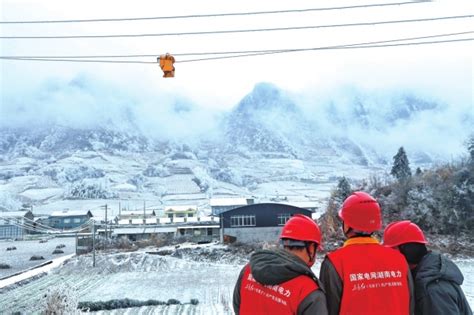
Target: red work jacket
{"x": 278, "y": 299}
{"x": 375, "y": 278}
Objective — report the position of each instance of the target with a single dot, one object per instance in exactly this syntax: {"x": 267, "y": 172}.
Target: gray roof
{"x": 141, "y": 230}
{"x": 70, "y": 213}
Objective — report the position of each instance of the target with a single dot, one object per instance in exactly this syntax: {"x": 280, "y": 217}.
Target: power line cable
{"x": 241, "y": 31}
{"x": 212, "y": 14}
{"x": 29, "y": 228}
{"x": 12, "y": 221}
{"x": 36, "y": 223}
{"x": 330, "y": 48}
{"x": 351, "y": 46}
{"x": 228, "y": 52}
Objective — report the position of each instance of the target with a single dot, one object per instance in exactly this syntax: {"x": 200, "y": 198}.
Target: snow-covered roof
{"x": 146, "y": 230}
{"x": 180, "y": 208}
{"x": 228, "y": 202}
{"x": 302, "y": 204}
{"x": 148, "y": 212}
{"x": 198, "y": 226}
{"x": 70, "y": 213}
{"x": 14, "y": 214}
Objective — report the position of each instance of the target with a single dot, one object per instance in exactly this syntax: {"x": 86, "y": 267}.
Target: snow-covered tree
{"x": 343, "y": 189}
{"x": 90, "y": 189}
{"x": 470, "y": 147}
{"x": 401, "y": 167}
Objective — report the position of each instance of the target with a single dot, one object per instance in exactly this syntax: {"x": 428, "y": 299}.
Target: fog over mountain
{"x": 85, "y": 131}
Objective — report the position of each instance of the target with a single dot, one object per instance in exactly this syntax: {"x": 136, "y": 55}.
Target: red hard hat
{"x": 361, "y": 212}
{"x": 401, "y": 232}
{"x": 301, "y": 228}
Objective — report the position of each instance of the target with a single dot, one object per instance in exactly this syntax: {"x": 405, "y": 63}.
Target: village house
{"x": 68, "y": 219}
{"x": 260, "y": 222}
{"x": 179, "y": 214}
{"x": 136, "y": 217}
{"x": 15, "y": 224}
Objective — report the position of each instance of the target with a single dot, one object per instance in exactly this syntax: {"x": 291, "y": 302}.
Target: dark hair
{"x": 413, "y": 252}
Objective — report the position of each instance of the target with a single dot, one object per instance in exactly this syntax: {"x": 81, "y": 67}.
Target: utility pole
{"x": 106, "y": 222}
{"x": 93, "y": 243}
{"x": 106, "y": 234}
{"x": 144, "y": 213}
{"x": 221, "y": 223}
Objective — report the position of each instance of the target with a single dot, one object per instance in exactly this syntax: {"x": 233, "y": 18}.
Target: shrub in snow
{"x": 194, "y": 301}
{"x": 156, "y": 171}
{"x": 138, "y": 181}
{"x": 37, "y": 257}
{"x": 4, "y": 266}
{"x": 11, "y": 248}
{"x": 77, "y": 173}
{"x": 183, "y": 156}
{"x": 60, "y": 246}
{"x": 43, "y": 241}
{"x": 116, "y": 304}
{"x": 58, "y": 251}
{"x": 203, "y": 186}
{"x": 90, "y": 190}
{"x": 60, "y": 299}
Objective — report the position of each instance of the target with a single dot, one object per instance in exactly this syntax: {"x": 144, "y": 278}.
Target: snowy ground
{"x": 207, "y": 274}
{"x": 19, "y": 259}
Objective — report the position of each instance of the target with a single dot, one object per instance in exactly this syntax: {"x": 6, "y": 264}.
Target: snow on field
{"x": 42, "y": 193}
{"x": 138, "y": 276}
{"x": 467, "y": 268}
{"x": 19, "y": 259}
{"x": 207, "y": 273}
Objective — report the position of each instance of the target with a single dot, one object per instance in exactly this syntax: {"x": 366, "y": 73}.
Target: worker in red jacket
{"x": 364, "y": 277}
{"x": 280, "y": 281}
{"x": 437, "y": 279}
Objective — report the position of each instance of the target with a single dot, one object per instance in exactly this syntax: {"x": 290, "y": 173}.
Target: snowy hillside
{"x": 272, "y": 144}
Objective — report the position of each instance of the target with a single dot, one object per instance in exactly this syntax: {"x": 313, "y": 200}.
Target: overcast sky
{"x": 443, "y": 70}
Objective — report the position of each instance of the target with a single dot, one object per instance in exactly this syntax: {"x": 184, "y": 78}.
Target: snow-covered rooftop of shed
{"x": 68, "y": 213}
{"x": 227, "y": 202}
{"x": 181, "y": 208}
{"x": 143, "y": 230}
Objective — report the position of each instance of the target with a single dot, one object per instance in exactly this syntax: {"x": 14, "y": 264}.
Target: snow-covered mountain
{"x": 269, "y": 144}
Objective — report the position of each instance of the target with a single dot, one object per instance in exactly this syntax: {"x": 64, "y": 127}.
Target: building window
{"x": 66, "y": 221}
{"x": 283, "y": 218}
{"x": 242, "y": 220}
{"x": 77, "y": 220}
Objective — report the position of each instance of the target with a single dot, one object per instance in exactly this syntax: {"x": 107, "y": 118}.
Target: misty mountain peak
{"x": 265, "y": 97}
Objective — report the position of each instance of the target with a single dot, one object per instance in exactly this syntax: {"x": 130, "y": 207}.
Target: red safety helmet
{"x": 401, "y": 232}
{"x": 301, "y": 228}
{"x": 361, "y": 212}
